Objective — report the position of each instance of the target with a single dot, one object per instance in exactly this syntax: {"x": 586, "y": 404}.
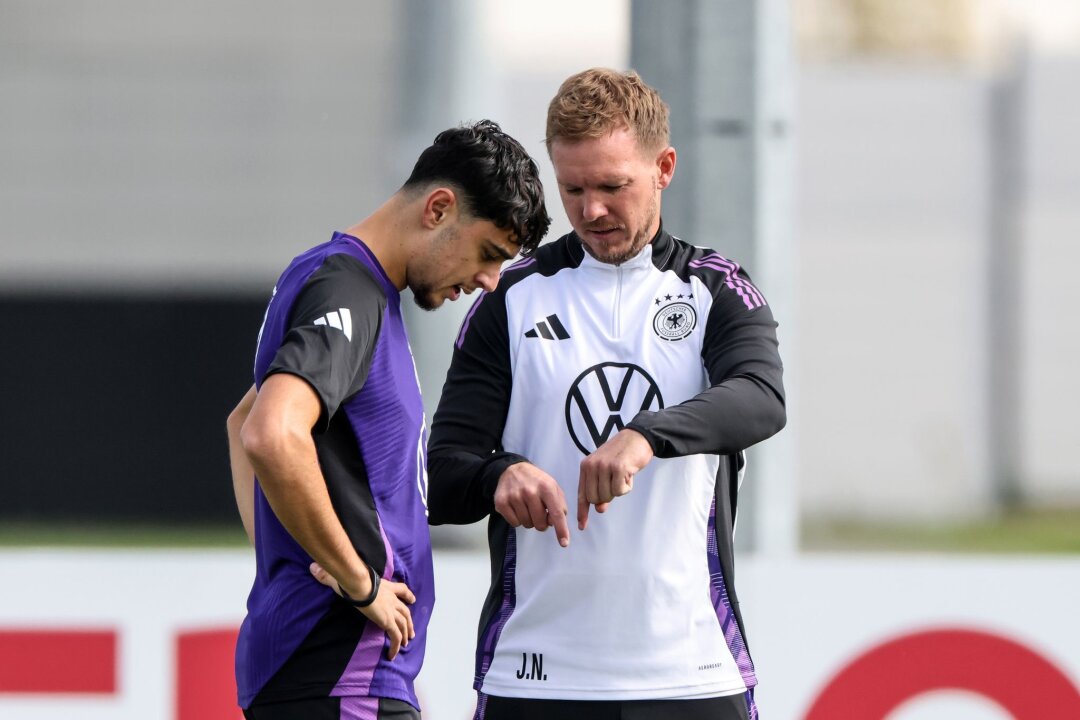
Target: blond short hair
{"x": 598, "y": 101}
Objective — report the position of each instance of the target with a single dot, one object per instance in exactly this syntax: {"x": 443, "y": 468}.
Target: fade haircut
{"x": 494, "y": 177}
{"x": 595, "y": 102}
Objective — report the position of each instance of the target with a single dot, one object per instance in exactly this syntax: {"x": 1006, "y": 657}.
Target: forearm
{"x": 461, "y": 484}
{"x": 724, "y": 419}
{"x": 292, "y": 481}
{"x": 745, "y": 401}
{"x": 243, "y": 474}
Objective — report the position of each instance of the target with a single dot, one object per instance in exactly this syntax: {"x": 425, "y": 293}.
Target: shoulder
{"x": 345, "y": 274}
{"x": 721, "y": 275}
{"x": 331, "y": 268}
{"x": 327, "y": 286}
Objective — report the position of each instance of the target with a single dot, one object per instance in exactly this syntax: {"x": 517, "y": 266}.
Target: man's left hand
{"x": 609, "y": 472}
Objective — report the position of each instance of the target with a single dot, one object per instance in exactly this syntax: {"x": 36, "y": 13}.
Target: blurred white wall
{"x": 891, "y": 200}
{"x": 186, "y": 144}
{"x": 894, "y": 221}
{"x": 1051, "y": 341}
{"x": 201, "y": 145}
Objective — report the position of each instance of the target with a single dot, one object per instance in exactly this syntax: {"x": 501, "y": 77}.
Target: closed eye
{"x": 493, "y": 252}
{"x": 611, "y": 189}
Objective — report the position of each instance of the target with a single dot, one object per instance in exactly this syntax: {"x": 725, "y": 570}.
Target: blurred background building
{"x": 937, "y": 191}
{"x": 161, "y": 164}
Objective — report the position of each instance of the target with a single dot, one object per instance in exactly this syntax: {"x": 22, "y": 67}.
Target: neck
{"x": 384, "y": 235}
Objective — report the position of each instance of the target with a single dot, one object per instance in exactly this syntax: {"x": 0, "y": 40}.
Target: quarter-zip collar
{"x": 657, "y": 251}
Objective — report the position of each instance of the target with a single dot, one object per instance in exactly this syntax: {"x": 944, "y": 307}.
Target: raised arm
{"x": 743, "y": 405}
{"x": 745, "y": 401}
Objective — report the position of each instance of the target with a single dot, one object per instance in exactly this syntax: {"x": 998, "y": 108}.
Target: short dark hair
{"x": 497, "y": 178}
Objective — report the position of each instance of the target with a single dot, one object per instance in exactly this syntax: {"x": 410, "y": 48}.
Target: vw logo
{"x": 604, "y": 398}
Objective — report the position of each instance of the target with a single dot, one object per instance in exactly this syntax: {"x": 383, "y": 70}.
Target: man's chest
{"x": 596, "y": 354}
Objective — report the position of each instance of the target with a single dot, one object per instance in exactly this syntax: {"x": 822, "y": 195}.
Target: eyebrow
{"x": 606, "y": 182}
{"x": 505, "y": 255}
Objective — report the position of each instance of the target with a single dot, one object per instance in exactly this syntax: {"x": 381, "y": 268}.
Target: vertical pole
{"x": 446, "y": 80}
{"x": 726, "y": 69}
{"x": 1004, "y": 272}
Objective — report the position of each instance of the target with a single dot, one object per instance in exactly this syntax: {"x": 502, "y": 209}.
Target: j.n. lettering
{"x": 533, "y": 670}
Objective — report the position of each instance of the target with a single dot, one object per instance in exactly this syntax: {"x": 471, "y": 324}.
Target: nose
{"x": 488, "y": 279}
{"x": 593, "y": 207}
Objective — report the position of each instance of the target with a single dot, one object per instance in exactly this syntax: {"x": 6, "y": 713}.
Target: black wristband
{"x": 370, "y": 598}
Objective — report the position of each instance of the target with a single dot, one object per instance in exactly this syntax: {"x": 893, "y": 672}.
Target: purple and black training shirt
{"x": 335, "y": 321}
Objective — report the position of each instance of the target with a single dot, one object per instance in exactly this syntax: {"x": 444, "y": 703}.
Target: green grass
{"x": 1049, "y": 531}
{"x": 120, "y": 535}
{"x": 1053, "y": 531}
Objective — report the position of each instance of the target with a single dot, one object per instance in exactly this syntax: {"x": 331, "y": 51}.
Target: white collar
{"x": 642, "y": 260}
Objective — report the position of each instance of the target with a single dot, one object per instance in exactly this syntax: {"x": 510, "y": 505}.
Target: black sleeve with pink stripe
{"x": 745, "y": 403}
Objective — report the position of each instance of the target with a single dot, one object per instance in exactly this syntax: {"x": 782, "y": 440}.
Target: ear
{"x": 665, "y": 163}
{"x": 440, "y": 206}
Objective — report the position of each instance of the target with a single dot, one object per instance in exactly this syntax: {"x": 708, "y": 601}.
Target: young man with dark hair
{"x": 618, "y": 362}
{"x": 334, "y": 430}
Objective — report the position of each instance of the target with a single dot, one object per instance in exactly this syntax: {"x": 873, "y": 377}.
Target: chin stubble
{"x": 422, "y": 297}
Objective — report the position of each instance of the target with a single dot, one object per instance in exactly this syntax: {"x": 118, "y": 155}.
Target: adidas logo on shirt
{"x": 550, "y": 330}
{"x": 340, "y": 319}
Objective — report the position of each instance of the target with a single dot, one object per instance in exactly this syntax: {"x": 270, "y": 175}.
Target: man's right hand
{"x": 390, "y": 611}
{"x": 528, "y": 497}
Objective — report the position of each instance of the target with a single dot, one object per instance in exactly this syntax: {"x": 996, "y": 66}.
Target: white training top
{"x": 675, "y": 343}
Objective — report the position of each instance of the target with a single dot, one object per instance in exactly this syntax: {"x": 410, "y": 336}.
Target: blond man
{"x": 620, "y": 362}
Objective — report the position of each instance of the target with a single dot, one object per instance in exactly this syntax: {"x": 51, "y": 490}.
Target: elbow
{"x": 773, "y": 407}
{"x": 235, "y": 422}
{"x": 765, "y": 410}
{"x": 239, "y": 415}
{"x": 776, "y": 417}
{"x": 262, "y": 442}
{"x": 779, "y": 419}
{"x": 257, "y": 441}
